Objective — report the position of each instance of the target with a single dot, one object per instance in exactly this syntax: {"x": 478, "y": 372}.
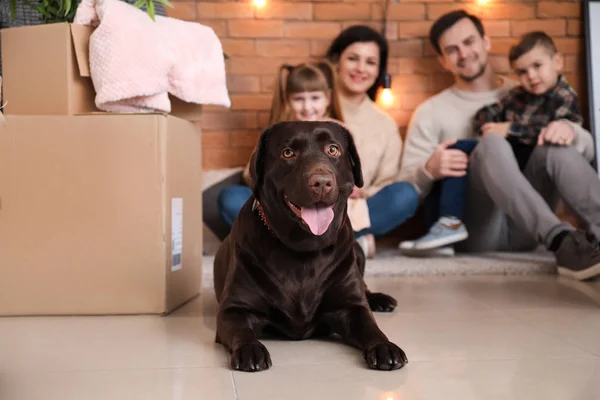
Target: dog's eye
{"x": 287, "y": 153}
{"x": 333, "y": 150}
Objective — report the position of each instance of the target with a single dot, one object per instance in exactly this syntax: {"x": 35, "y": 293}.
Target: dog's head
{"x": 304, "y": 173}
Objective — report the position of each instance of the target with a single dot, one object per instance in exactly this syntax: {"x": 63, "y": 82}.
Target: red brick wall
{"x": 259, "y": 40}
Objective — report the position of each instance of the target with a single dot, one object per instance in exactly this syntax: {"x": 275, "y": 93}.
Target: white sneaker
{"x": 446, "y": 231}
{"x": 407, "y": 245}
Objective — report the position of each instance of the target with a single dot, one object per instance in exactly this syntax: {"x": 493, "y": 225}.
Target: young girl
{"x": 305, "y": 92}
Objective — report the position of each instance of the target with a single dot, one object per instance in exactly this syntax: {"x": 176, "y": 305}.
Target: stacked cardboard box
{"x": 99, "y": 213}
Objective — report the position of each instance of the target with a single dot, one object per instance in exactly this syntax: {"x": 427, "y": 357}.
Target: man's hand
{"x": 499, "y": 128}
{"x": 355, "y": 193}
{"x": 557, "y": 132}
{"x": 445, "y": 162}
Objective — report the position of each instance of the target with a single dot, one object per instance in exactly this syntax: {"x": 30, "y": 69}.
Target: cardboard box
{"x": 46, "y": 71}
{"x": 93, "y": 211}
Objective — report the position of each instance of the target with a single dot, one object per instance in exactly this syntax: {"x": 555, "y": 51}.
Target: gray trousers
{"x": 513, "y": 211}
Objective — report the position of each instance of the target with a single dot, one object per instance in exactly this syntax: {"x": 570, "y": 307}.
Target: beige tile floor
{"x": 528, "y": 337}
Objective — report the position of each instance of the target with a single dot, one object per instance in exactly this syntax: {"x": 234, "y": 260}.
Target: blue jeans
{"x": 388, "y": 208}
{"x": 231, "y": 199}
{"x": 449, "y": 195}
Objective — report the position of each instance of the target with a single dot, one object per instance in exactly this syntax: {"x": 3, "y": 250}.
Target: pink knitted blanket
{"x": 136, "y": 62}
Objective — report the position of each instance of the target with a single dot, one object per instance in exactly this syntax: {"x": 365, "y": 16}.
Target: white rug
{"x": 389, "y": 262}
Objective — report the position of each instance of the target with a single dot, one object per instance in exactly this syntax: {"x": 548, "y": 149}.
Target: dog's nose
{"x": 320, "y": 183}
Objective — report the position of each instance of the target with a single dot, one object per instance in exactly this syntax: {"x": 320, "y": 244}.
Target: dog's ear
{"x": 354, "y": 158}
{"x": 257, "y": 161}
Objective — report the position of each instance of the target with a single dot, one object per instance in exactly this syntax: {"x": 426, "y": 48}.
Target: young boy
{"x": 524, "y": 117}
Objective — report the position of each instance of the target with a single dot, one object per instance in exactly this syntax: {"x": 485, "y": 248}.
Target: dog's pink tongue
{"x": 318, "y": 218}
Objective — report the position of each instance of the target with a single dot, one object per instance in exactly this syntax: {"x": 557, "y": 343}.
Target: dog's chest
{"x": 296, "y": 309}
{"x": 298, "y": 290}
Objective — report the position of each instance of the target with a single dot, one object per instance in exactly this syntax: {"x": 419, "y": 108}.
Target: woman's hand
{"x": 355, "y": 193}
{"x": 499, "y": 128}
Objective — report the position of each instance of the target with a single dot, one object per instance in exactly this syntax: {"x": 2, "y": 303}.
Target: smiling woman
{"x": 360, "y": 55}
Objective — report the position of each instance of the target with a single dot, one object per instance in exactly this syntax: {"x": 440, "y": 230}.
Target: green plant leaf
{"x": 13, "y": 9}
{"x": 165, "y": 3}
{"x": 151, "y": 9}
{"x": 139, "y": 3}
{"x": 61, "y": 6}
{"x": 50, "y": 10}
{"x": 68, "y": 4}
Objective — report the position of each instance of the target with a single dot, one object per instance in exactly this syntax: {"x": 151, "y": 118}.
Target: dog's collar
{"x": 256, "y": 206}
{"x": 261, "y": 213}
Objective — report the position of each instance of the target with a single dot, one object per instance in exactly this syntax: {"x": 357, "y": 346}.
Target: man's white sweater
{"x": 449, "y": 115}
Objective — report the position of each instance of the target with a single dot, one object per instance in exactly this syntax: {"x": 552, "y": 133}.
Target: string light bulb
{"x": 260, "y": 3}
{"x": 483, "y": 2}
{"x": 387, "y": 96}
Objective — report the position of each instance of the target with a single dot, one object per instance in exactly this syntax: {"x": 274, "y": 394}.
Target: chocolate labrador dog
{"x": 290, "y": 264}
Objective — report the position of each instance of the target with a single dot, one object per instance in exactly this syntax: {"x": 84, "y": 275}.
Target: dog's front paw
{"x": 385, "y": 356}
{"x": 381, "y": 302}
{"x": 251, "y": 357}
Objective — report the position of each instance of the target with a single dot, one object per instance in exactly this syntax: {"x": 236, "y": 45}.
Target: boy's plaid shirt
{"x": 529, "y": 113}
